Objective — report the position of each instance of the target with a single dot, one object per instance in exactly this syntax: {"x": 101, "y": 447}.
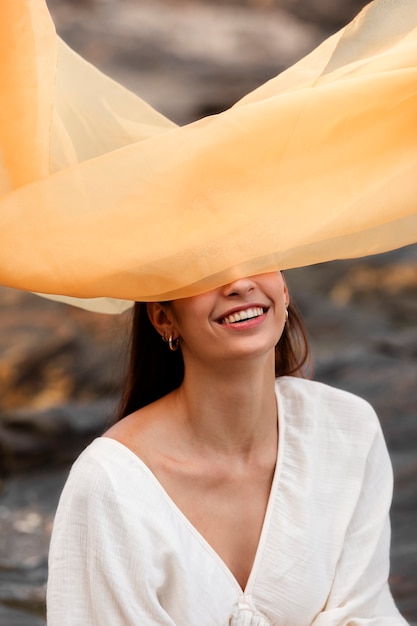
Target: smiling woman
{"x": 153, "y": 371}
{"x": 231, "y": 491}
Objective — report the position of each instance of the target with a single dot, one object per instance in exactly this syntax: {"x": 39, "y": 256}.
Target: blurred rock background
{"x": 61, "y": 368}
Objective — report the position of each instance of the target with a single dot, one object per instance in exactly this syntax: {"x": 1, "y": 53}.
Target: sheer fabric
{"x": 101, "y": 196}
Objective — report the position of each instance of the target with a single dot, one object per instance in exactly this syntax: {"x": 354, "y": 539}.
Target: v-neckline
{"x": 268, "y": 512}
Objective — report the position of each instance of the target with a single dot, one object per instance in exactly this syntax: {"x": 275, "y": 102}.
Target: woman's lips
{"x": 243, "y": 315}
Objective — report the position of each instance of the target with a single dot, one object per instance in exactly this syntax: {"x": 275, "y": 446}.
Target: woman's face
{"x": 241, "y": 319}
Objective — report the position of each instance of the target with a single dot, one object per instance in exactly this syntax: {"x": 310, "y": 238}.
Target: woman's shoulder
{"x": 129, "y": 447}
{"x": 294, "y": 385}
{"x": 330, "y": 406}
{"x": 331, "y": 426}
{"x": 146, "y": 434}
{"x": 100, "y": 463}
{"x": 108, "y": 477}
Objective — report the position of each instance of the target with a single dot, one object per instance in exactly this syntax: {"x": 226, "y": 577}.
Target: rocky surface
{"x": 60, "y": 367}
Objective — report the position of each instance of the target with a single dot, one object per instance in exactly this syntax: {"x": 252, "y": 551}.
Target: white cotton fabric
{"x": 123, "y": 554}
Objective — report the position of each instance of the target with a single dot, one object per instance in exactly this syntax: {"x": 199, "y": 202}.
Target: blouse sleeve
{"x": 98, "y": 574}
{"x": 360, "y": 595}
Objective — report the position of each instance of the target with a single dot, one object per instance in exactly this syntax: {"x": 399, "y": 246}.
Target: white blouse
{"x": 123, "y": 554}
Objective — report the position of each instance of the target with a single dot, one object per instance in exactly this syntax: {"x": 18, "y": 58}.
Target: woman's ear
{"x": 286, "y": 292}
{"x": 160, "y": 315}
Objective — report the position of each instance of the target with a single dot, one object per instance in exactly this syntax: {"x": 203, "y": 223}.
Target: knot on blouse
{"x": 246, "y": 614}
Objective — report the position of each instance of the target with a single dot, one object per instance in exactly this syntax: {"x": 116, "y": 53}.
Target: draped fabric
{"x": 246, "y": 614}
{"x": 103, "y": 198}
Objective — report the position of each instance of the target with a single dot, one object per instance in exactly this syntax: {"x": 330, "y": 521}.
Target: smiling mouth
{"x": 243, "y": 316}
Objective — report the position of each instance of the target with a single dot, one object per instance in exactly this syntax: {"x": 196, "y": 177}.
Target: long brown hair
{"x": 154, "y": 370}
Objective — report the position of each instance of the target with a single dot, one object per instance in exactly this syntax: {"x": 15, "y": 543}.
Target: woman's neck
{"x": 230, "y": 411}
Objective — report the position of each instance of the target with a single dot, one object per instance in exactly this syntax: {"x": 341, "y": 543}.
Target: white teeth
{"x": 240, "y": 316}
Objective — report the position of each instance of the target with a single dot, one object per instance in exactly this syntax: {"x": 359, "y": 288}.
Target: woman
{"x": 226, "y": 495}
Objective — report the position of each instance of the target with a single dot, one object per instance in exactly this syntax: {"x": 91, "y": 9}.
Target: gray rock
{"x": 187, "y": 60}
{"x": 50, "y": 352}
{"x": 16, "y": 617}
{"x": 27, "y": 506}
{"x": 325, "y": 12}
{"x": 55, "y": 436}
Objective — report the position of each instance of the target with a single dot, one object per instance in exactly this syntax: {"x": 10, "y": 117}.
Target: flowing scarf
{"x": 105, "y": 200}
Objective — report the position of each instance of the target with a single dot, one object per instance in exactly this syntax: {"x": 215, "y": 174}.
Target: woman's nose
{"x": 239, "y": 287}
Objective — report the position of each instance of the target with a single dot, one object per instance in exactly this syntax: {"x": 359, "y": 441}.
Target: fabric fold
{"x": 317, "y": 164}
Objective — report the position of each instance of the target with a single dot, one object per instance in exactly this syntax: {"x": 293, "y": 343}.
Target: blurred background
{"x": 61, "y": 368}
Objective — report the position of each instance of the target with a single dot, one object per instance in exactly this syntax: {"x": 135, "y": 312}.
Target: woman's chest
{"x": 196, "y": 581}
{"x": 229, "y": 513}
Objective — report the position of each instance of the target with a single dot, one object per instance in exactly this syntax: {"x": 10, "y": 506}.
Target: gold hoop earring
{"x": 173, "y": 343}
{"x": 286, "y": 314}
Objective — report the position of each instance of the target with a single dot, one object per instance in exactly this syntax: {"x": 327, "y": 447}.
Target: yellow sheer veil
{"x": 104, "y": 199}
